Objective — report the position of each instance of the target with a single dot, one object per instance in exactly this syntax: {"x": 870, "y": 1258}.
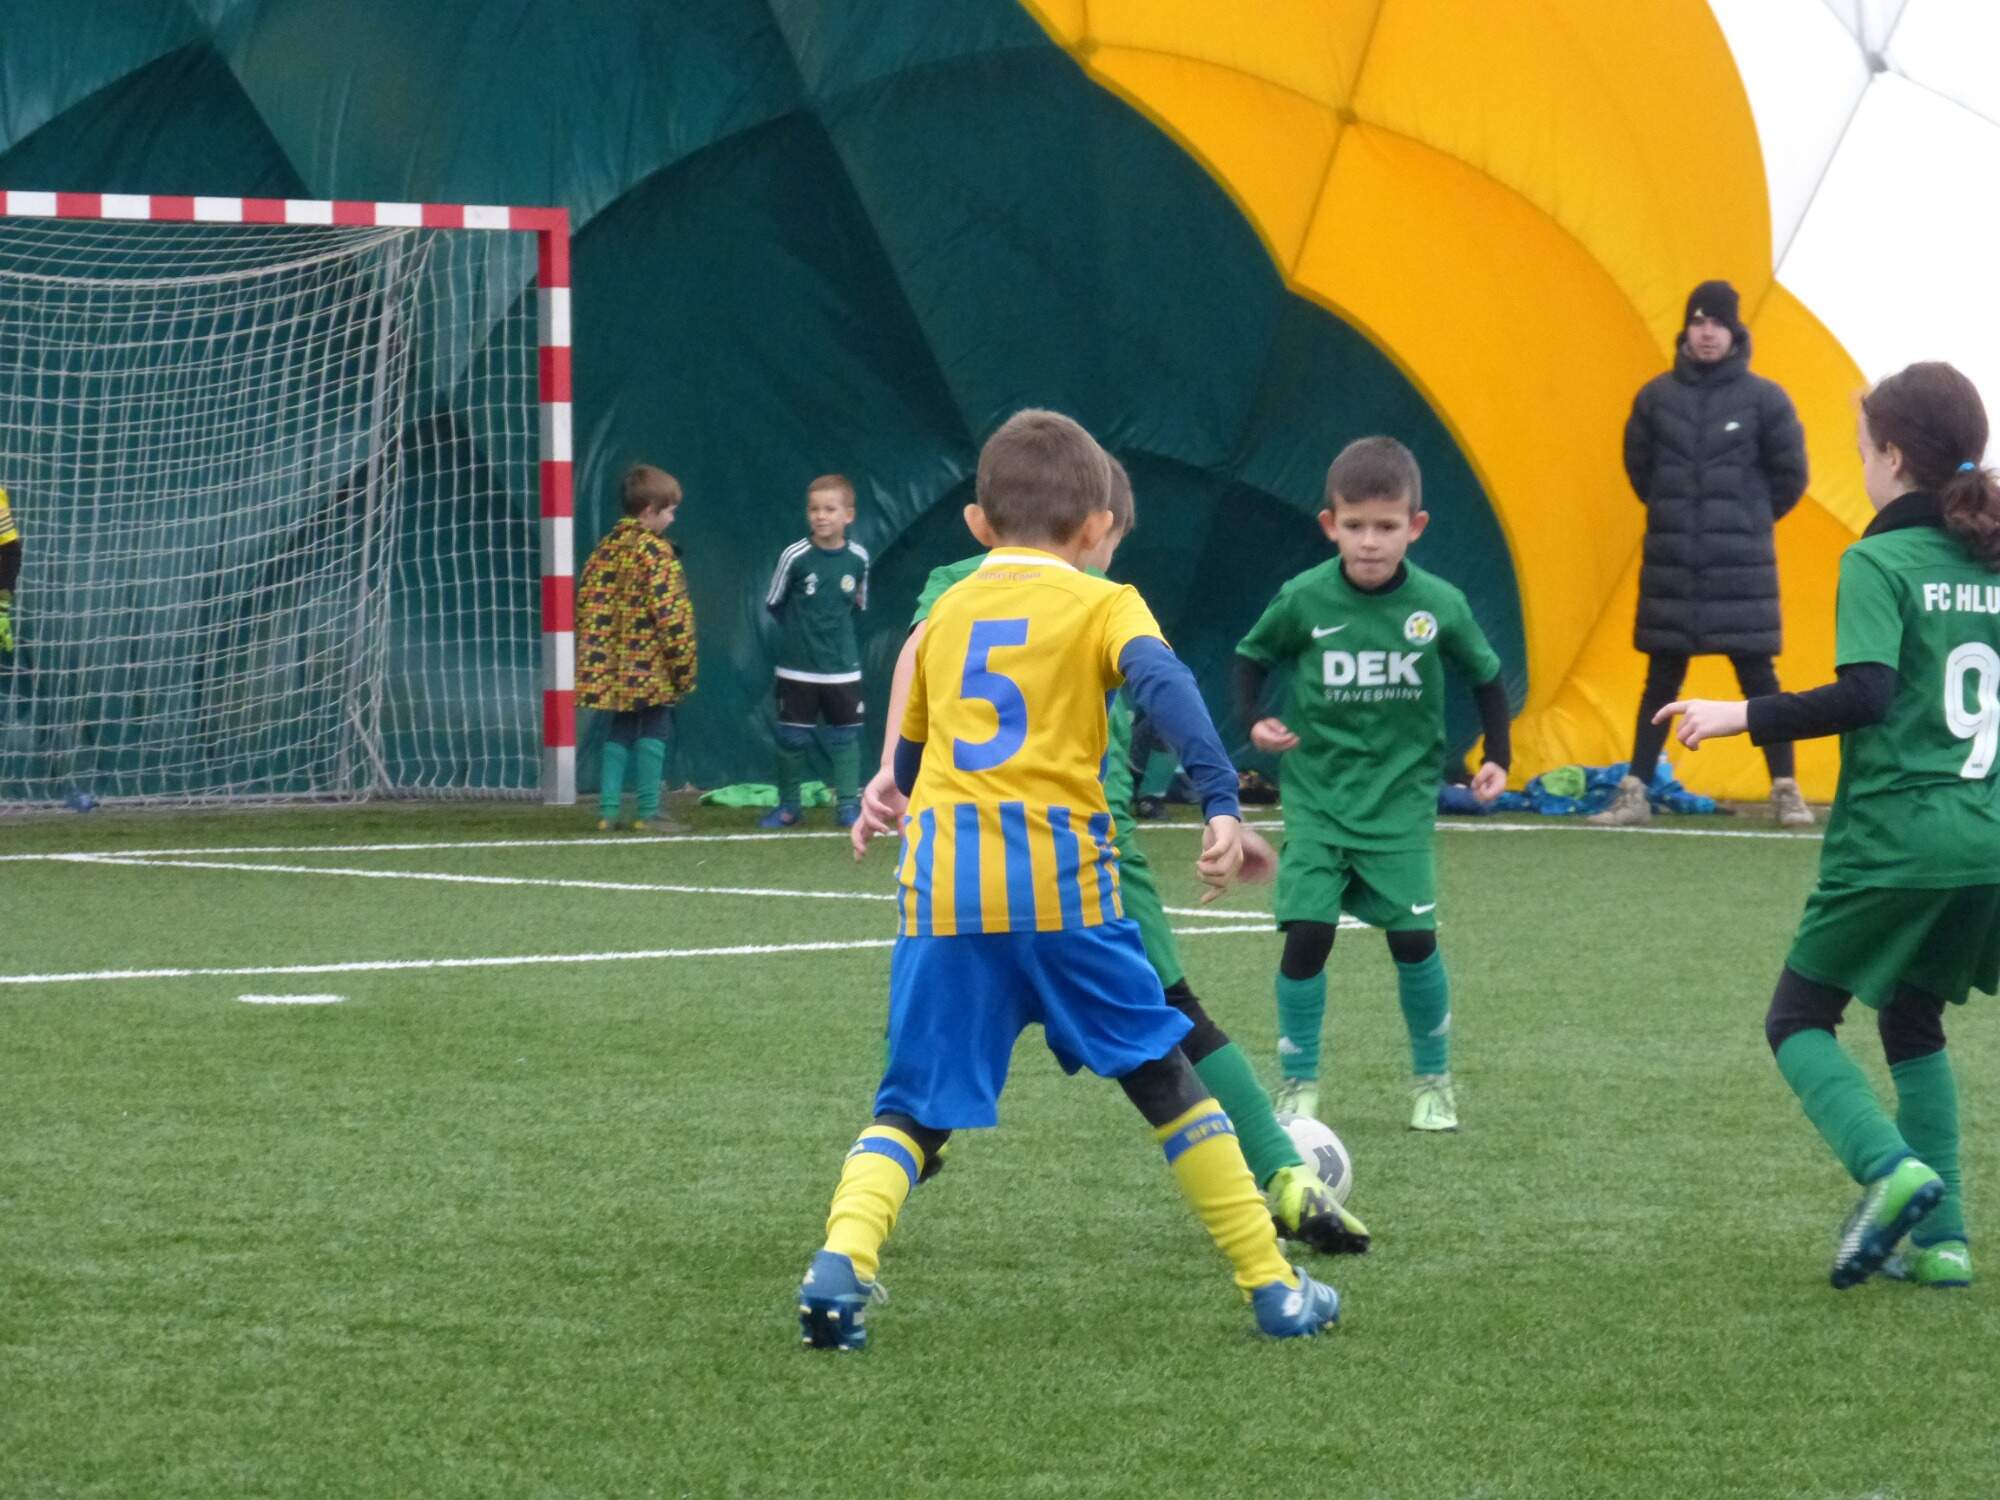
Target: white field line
{"x": 513, "y": 961}
{"x": 355, "y": 873}
{"x": 597, "y": 843}
{"x": 139, "y": 862}
{"x": 1552, "y": 825}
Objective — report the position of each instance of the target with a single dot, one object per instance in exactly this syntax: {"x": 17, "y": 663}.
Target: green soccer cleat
{"x": 1892, "y": 1206}
{"x": 1948, "y": 1263}
{"x": 1307, "y": 1211}
{"x": 1436, "y": 1106}
{"x": 1297, "y": 1096}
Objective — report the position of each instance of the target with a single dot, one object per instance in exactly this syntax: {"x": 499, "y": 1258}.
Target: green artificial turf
{"x": 535, "y": 1229}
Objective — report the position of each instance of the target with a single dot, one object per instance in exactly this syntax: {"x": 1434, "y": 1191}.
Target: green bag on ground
{"x": 764, "y": 794}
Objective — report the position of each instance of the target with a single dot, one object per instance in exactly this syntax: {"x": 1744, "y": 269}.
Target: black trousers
{"x": 1665, "y": 672}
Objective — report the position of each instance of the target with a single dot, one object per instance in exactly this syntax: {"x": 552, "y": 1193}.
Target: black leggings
{"x": 1665, "y": 673}
{"x": 1911, "y": 1025}
{"x": 1308, "y": 945}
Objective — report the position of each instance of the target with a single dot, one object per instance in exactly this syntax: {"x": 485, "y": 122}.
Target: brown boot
{"x": 1629, "y": 808}
{"x": 1788, "y": 804}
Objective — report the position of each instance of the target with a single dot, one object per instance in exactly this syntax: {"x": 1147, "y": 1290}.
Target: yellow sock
{"x": 881, "y": 1169}
{"x": 1201, "y": 1148}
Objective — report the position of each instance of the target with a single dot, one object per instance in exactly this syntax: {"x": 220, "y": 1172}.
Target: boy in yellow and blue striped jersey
{"x": 1009, "y": 913}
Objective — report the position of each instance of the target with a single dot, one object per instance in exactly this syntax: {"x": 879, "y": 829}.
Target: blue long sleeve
{"x": 909, "y": 761}
{"x": 1163, "y": 689}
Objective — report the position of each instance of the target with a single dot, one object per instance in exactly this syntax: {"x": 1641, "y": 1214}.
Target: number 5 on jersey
{"x": 1010, "y": 709}
{"x": 1980, "y": 723}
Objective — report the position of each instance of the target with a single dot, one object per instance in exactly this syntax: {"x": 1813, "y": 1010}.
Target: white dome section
{"x": 1880, "y": 125}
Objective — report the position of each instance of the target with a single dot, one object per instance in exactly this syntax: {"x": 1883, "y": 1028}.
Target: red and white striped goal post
{"x": 550, "y": 226}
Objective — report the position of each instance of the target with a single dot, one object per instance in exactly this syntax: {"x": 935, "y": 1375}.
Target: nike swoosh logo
{"x": 1319, "y": 631}
{"x": 1418, "y": 911}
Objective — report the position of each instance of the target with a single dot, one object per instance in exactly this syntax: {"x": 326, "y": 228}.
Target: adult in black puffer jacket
{"x": 1717, "y": 456}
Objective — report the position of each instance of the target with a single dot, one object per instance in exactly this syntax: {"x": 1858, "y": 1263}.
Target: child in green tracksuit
{"x": 820, "y": 585}
{"x": 1906, "y": 917}
{"x": 1362, "y": 642}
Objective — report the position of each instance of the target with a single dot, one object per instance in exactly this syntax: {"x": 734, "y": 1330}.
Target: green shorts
{"x": 1142, "y": 904}
{"x": 1868, "y": 940}
{"x": 1393, "y": 889}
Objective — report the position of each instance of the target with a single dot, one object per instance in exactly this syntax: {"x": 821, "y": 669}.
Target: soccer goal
{"x": 294, "y": 485}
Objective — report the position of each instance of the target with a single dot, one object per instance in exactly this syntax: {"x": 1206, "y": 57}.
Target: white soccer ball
{"x": 1324, "y": 1152}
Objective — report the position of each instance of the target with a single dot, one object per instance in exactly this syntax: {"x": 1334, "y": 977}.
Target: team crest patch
{"x": 847, "y": 583}
{"x": 1421, "y": 628}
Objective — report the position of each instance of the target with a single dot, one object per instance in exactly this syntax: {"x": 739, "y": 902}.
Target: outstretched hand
{"x": 1705, "y": 719}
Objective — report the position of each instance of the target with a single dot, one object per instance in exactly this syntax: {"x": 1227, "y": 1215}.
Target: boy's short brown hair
{"x": 1124, "y": 514}
{"x": 1375, "y": 468}
{"x": 645, "y": 488}
{"x": 837, "y": 484}
{"x": 1041, "y": 476}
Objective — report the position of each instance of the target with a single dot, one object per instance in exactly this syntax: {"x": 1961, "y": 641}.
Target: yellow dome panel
{"x": 1646, "y": 154}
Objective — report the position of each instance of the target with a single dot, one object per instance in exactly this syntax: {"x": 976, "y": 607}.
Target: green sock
{"x": 611, "y": 779}
{"x": 791, "y": 771}
{"x": 651, "y": 769}
{"x": 1227, "y": 1074}
{"x": 1835, "y": 1095}
{"x": 1426, "y": 997}
{"x": 1927, "y": 1115}
{"x": 1301, "y": 1007}
{"x": 843, "y": 754}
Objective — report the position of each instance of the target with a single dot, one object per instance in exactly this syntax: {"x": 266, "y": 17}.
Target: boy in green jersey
{"x": 1303, "y": 1208}
{"x": 1906, "y": 916}
{"x": 1362, "y": 642}
{"x": 820, "y": 585}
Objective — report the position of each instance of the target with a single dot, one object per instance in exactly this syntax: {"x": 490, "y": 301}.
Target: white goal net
{"x": 278, "y": 487}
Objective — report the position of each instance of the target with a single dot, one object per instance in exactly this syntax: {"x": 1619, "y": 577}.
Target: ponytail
{"x": 1972, "y": 512}
{"x": 1933, "y": 415}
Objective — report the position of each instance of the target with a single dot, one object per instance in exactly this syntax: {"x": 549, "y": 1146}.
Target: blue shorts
{"x": 957, "y": 1004}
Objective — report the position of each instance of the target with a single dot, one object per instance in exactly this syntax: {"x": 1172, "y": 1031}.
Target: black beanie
{"x": 1717, "y": 300}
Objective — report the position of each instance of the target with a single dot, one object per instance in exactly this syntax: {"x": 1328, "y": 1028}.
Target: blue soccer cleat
{"x": 779, "y": 817}
{"x": 1286, "y": 1312}
{"x": 833, "y": 1303}
{"x": 847, "y": 815}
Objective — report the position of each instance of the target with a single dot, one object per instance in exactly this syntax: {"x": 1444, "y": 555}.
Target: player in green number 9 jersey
{"x": 1906, "y": 916}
